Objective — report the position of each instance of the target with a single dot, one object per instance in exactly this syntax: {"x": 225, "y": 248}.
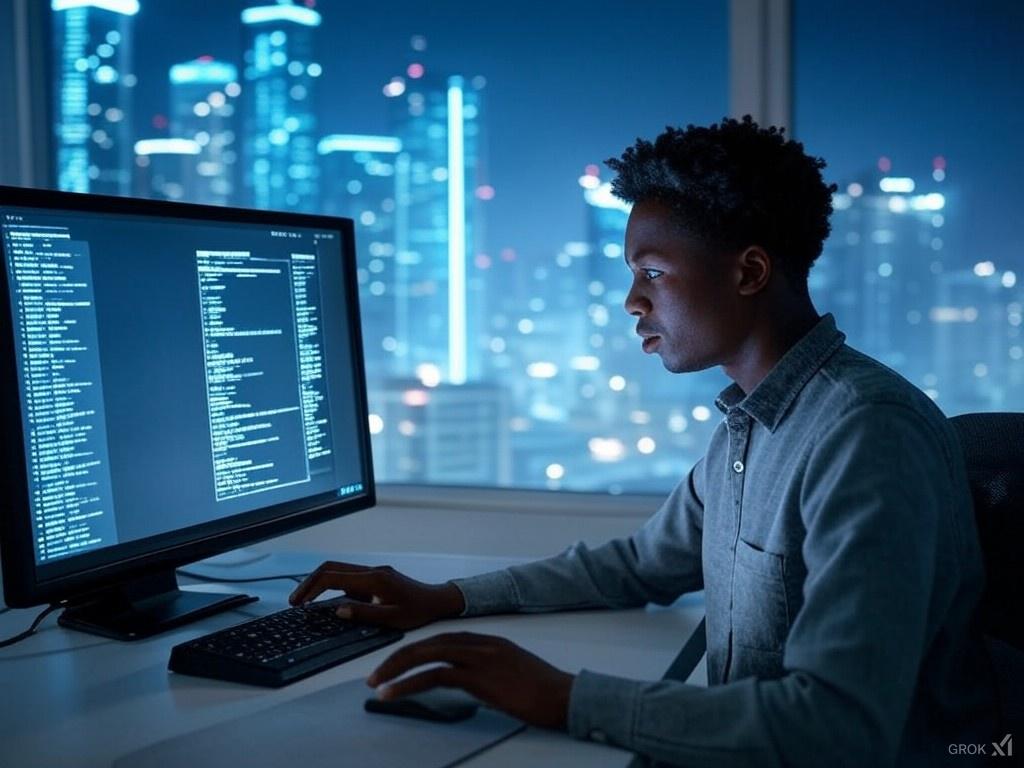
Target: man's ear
{"x": 754, "y": 269}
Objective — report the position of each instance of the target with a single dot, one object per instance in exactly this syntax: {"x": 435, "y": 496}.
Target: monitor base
{"x": 145, "y": 607}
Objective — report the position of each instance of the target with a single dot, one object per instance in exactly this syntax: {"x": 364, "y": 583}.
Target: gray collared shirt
{"x": 830, "y": 526}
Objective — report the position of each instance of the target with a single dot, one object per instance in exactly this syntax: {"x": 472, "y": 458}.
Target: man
{"x": 829, "y": 523}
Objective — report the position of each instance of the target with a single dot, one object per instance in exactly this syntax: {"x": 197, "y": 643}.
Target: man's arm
{"x": 657, "y": 564}
{"x": 876, "y": 491}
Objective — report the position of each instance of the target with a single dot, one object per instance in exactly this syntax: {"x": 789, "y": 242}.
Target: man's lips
{"x": 650, "y": 342}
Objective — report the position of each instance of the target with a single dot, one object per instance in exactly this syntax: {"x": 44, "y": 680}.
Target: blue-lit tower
{"x": 359, "y": 181}
{"x": 92, "y": 94}
{"x": 978, "y": 353}
{"x": 438, "y": 120}
{"x": 879, "y": 271}
{"x": 279, "y": 134}
{"x": 204, "y": 93}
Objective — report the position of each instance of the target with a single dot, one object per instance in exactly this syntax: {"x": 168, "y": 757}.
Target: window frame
{"x": 760, "y": 84}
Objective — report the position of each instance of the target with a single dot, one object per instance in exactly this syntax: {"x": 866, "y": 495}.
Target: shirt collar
{"x": 772, "y": 397}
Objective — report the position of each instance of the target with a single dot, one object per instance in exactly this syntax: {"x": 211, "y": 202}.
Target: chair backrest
{"x": 993, "y": 445}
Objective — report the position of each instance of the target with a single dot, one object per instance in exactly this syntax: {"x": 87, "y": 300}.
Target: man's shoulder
{"x": 852, "y": 381}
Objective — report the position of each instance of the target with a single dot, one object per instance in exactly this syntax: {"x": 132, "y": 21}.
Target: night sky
{"x": 572, "y": 82}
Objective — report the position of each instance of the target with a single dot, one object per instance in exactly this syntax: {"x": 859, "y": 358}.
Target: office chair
{"x": 993, "y": 445}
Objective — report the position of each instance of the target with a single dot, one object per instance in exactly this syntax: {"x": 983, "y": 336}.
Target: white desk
{"x": 71, "y": 699}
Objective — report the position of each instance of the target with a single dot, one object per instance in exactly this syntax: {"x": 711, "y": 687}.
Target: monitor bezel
{"x": 22, "y": 587}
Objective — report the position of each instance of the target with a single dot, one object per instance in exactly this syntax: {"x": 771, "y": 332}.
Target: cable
{"x": 32, "y": 629}
{"x": 297, "y": 577}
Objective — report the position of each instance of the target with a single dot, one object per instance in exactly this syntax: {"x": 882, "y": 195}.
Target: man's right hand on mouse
{"x": 381, "y": 595}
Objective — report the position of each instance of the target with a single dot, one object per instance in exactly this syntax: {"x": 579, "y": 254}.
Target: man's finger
{"x": 436, "y": 677}
{"x": 324, "y": 578}
{"x": 443, "y": 648}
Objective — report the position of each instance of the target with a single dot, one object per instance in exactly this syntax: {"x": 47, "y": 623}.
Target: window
{"x": 917, "y": 109}
{"x": 466, "y": 140}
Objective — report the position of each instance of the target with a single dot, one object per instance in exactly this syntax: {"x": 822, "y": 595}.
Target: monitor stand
{"x": 144, "y": 607}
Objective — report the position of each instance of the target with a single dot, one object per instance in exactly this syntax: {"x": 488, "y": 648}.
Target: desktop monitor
{"x": 177, "y": 380}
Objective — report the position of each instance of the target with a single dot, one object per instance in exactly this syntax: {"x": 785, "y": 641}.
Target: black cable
{"x": 297, "y": 577}
{"x": 32, "y": 629}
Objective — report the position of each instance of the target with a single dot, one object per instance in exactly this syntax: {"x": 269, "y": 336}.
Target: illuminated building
{"x": 880, "y": 270}
{"x": 165, "y": 169}
{"x": 359, "y": 181}
{"x": 92, "y": 113}
{"x": 437, "y": 230}
{"x": 279, "y": 134}
{"x": 204, "y": 93}
{"x": 979, "y": 359}
{"x": 440, "y": 433}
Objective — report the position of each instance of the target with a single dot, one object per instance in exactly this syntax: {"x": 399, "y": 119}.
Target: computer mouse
{"x": 439, "y": 705}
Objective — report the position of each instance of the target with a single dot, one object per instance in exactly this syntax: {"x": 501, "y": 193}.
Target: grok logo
{"x": 1002, "y": 748}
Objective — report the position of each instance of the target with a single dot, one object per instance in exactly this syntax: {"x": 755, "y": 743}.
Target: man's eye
{"x": 652, "y": 274}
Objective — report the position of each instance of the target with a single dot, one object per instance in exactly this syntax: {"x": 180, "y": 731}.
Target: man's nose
{"x": 636, "y": 304}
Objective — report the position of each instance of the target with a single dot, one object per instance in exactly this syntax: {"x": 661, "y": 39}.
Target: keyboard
{"x": 275, "y": 650}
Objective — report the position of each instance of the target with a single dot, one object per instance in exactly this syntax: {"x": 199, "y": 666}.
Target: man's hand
{"x": 495, "y": 670}
{"x": 385, "y": 597}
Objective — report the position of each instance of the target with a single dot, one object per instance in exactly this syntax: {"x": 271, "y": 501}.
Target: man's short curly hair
{"x": 734, "y": 184}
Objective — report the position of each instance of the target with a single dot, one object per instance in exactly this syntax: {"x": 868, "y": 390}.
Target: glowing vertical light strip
{"x": 456, "y": 236}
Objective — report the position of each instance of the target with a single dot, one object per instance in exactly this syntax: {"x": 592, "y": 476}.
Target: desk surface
{"x": 75, "y": 699}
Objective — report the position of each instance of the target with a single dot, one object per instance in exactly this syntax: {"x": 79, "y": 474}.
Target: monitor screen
{"x": 182, "y": 372}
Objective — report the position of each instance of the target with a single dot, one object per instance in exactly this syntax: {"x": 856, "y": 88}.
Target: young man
{"x": 829, "y": 524}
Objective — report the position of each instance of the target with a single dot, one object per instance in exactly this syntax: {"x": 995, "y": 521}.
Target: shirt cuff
{"x": 489, "y": 593}
{"x": 603, "y": 708}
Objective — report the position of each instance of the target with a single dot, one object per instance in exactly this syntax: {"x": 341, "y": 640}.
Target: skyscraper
{"x": 359, "y": 181}
{"x": 438, "y": 121}
{"x": 92, "y": 107}
{"x": 879, "y": 271}
{"x": 280, "y": 168}
{"x": 202, "y": 109}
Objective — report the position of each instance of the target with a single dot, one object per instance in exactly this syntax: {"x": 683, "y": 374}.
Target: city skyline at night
{"x": 489, "y": 244}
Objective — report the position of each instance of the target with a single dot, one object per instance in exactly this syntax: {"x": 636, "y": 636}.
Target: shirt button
{"x": 737, "y": 466}
{"x": 599, "y": 736}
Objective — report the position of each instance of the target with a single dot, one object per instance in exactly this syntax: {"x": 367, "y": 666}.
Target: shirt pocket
{"x": 760, "y": 617}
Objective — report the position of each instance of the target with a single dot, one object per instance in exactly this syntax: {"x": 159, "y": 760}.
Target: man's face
{"x": 683, "y": 297}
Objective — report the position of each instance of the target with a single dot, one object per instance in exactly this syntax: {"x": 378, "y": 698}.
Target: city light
{"x": 701, "y": 413}
{"x": 167, "y": 147}
{"x": 646, "y": 445}
{"x": 415, "y": 398}
{"x": 428, "y": 374}
{"x": 457, "y": 342}
{"x": 211, "y": 72}
{"x": 953, "y": 314}
{"x": 394, "y": 88}
{"x": 984, "y": 269}
{"x": 616, "y": 383}
{"x": 933, "y": 201}
{"x": 555, "y": 471}
{"x": 601, "y": 197}
{"x": 606, "y": 449}
{"x": 585, "y": 363}
{"x": 124, "y": 7}
{"x": 542, "y": 370}
{"x": 1009, "y": 279}
{"x": 376, "y": 424}
{"x": 348, "y": 142}
{"x": 293, "y": 13}
{"x": 896, "y": 184}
